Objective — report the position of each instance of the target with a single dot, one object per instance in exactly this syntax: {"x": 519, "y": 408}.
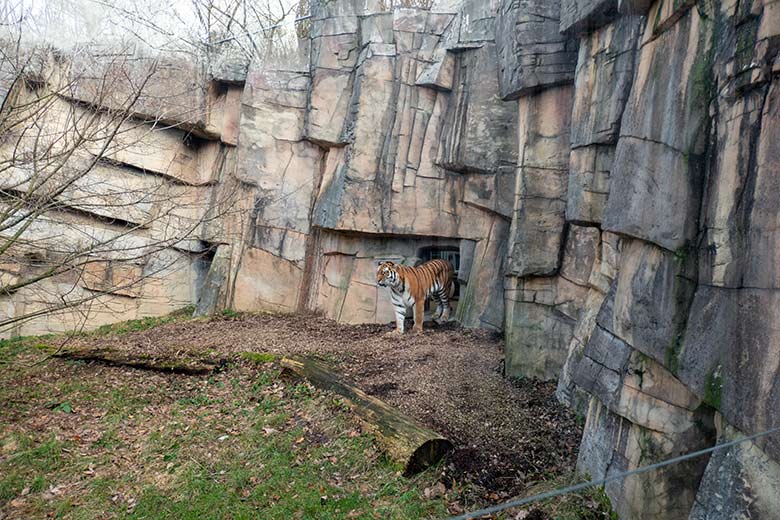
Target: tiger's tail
{"x": 453, "y": 287}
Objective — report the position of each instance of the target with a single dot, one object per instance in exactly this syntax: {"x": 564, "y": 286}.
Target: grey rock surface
{"x": 479, "y": 133}
{"x": 658, "y": 172}
{"x": 532, "y": 54}
{"x": 740, "y": 482}
{"x": 585, "y": 16}
{"x": 605, "y": 74}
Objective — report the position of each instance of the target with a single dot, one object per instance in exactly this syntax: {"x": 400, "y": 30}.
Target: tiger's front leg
{"x": 400, "y": 319}
{"x": 400, "y": 313}
{"x": 419, "y": 307}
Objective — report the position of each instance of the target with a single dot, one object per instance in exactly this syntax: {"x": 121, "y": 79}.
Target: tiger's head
{"x": 387, "y": 275}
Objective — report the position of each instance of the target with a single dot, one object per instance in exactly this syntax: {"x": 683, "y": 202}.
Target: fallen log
{"x": 404, "y": 440}
{"x": 116, "y": 357}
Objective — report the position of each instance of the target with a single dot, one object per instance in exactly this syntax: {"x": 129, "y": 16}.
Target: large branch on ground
{"x": 193, "y": 365}
{"x": 405, "y": 441}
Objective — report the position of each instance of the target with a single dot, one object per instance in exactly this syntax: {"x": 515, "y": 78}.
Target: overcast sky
{"x": 162, "y": 24}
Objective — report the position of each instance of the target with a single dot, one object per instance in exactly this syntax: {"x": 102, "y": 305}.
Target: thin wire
{"x": 558, "y": 492}
{"x": 262, "y": 29}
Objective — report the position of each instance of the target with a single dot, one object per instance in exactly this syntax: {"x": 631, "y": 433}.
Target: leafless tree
{"x": 99, "y": 198}
{"x": 79, "y": 219}
{"x": 262, "y": 31}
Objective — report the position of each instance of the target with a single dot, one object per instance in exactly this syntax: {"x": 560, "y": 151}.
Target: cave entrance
{"x": 451, "y": 253}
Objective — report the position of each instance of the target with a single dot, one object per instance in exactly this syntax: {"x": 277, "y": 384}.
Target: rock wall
{"x": 388, "y": 137}
{"x": 140, "y": 202}
{"x": 606, "y": 173}
{"x": 663, "y": 357}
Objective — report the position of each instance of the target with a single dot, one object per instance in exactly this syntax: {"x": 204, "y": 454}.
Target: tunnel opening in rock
{"x": 450, "y": 254}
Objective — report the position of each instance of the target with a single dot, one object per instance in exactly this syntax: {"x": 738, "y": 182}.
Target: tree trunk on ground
{"x": 405, "y": 441}
{"x": 180, "y": 365}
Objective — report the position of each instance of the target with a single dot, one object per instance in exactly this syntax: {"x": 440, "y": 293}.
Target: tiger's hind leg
{"x": 439, "y": 308}
{"x": 443, "y": 302}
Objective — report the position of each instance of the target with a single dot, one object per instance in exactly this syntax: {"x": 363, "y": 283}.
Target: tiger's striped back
{"x": 431, "y": 278}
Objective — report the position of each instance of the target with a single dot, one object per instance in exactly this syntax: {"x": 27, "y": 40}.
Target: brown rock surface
{"x": 540, "y": 194}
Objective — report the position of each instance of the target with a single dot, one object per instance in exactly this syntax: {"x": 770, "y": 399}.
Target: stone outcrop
{"x": 688, "y": 307}
{"x": 149, "y": 212}
{"x": 533, "y": 55}
{"x": 584, "y": 16}
{"x": 603, "y": 83}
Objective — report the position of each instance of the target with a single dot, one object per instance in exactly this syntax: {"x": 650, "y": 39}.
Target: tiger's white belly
{"x": 402, "y": 298}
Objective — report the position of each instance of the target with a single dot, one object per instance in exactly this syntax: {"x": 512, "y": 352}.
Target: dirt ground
{"x": 508, "y": 435}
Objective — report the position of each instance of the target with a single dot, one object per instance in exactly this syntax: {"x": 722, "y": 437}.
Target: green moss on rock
{"x": 672, "y": 357}
{"x": 713, "y": 388}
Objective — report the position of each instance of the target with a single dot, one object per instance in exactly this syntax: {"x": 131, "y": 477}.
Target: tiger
{"x": 411, "y": 286}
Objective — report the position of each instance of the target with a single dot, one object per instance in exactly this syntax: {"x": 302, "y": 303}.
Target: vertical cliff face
{"x": 388, "y": 141}
{"x": 605, "y": 170}
{"x": 680, "y": 350}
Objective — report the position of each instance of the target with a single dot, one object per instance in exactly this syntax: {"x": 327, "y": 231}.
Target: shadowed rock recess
{"x": 606, "y": 174}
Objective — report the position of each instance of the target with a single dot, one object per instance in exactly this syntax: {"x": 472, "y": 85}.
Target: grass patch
{"x": 270, "y": 481}
{"x": 259, "y": 357}
{"x": 30, "y": 465}
{"x": 142, "y": 324}
{"x": 230, "y": 313}
{"x": 96, "y": 442}
{"x": 11, "y": 348}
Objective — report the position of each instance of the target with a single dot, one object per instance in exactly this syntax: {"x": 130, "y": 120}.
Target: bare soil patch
{"x": 509, "y": 435}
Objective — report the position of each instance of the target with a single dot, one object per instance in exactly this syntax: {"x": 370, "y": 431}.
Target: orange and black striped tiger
{"x": 411, "y": 286}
